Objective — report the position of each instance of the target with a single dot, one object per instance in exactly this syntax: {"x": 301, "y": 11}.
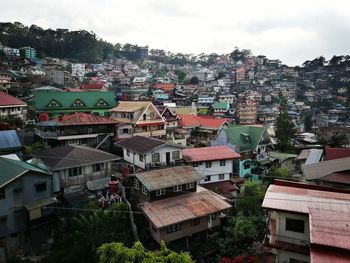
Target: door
{"x": 168, "y": 158}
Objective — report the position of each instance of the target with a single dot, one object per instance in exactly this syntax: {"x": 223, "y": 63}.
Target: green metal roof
{"x": 13, "y": 168}
{"x": 246, "y": 137}
{"x": 90, "y": 100}
{"x": 221, "y": 105}
{"x": 282, "y": 156}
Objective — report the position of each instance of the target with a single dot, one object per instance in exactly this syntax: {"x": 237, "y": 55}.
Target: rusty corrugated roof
{"x": 168, "y": 177}
{"x": 185, "y": 207}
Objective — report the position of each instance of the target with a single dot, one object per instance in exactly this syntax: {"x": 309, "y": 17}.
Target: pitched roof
{"x": 246, "y": 137}
{"x": 210, "y": 153}
{"x": 9, "y": 140}
{"x": 12, "y": 169}
{"x": 184, "y": 207}
{"x": 189, "y": 121}
{"x": 140, "y": 144}
{"x": 66, "y": 100}
{"x": 82, "y": 119}
{"x": 322, "y": 207}
{"x": 319, "y": 170}
{"x": 73, "y": 156}
{"x": 8, "y": 100}
{"x": 336, "y": 153}
{"x": 168, "y": 177}
{"x": 282, "y": 156}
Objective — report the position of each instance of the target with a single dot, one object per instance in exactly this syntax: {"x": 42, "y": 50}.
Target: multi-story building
{"x": 214, "y": 163}
{"x": 147, "y": 153}
{"x": 230, "y": 98}
{"x": 12, "y": 107}
{"x": 60, "y": 77}
{"x": 240, "y": 74}
{"x": 138, "y": 118}
{"x": 175, "y": 207}
{"x": 306, "y": 223}
{"x": 220, "y": 109}
{"x": 78, "y": 69}
{"x": 247, "y": 112}
{"x": 24, "y": 191}
{"x": 77, "y": 129}
{"x": 27, "y": 52}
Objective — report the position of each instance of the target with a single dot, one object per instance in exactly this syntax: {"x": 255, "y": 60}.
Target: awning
{"x": 34, "y": 208}
{"x": 98, "y": 184}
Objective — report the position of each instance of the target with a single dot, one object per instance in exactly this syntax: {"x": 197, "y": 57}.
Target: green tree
{"x": 194, "y": 80}
{"x": 279, "y": 172}
{"x": 181, "y": 75}
{"x": 284, "y": 127}
{"x": 119, "y": 253}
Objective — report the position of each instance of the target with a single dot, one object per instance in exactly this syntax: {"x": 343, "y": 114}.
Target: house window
{"x": 177, "y": 188}
{"x": 78, "y": 103}
{"x": 207, "y": 164}
{"x": 127, "y": 152}
{"x": 136, "y": 184}
{"x": 213, "y": 216}
{"x": 246, "y": 165}
{"x": 144, "y": 190}
{"x": 160, "y": 192}
{"x": 207, "y": 178}
{"x": 155, "y": 158}
{"x": 222, "y": 163}
{"x": 97, "y": 167}
{"x": 74, "y": 171}
{"x": 173, "y": 228}
{"x": 2, "y": 193}
{"x": 17, "y": 190}
{"x": 125, "y": 131}
{"x": 176, "y": 155}
{"x": 40, "y": 187}
{"x": 101, "y": 102}
{"x": 141, "y": 158}
{"x": 195, "y": 221}
{"x": 194, "y": 164}
{"x": 190, "y": 185}
{"x": 295, "y": 225}
{"x": 221, "y": 176}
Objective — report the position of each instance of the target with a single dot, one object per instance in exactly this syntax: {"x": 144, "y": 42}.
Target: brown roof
{"x": 210, "y": 153}
{"x": 8, "y": 100}
{"x": 82, "y": 119}
{"x": 140, "y": 144}
{"x": 319, "y": 170}
{"x": 131, "y": 106}
{"x": 182, "y": 208}
{"x": 73, "y": 156}
{"x": 168, "y": 177}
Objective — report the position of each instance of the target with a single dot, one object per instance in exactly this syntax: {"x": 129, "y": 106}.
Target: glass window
{"x": 221, "y": 176}
{"x": 155, "y": 158}
{"x": 177, "y": 188}
{"x": 295, "y": 225}
{"x": 97, "y": 167}
{"x": 207, "y": 164}
{"x": 127, "y": 152}
{"x": 160, "y": 192}
{"x": 207, "y": 178}
{"x": 136, "y": 184}
{"x": 176, "y": 155}
{"x": 141, "y": 158}
{"x": 194, "y": 164}
{"x": 173, "y": 228}
{"x": 190, "y": 185}
{"x": 246, "y": 165}
{"x": 40, "y": 187}
{"x": 144, "y": 190}
{"x": 195, "y": 221}
{"x": 222, "y": 163}
{"x": 74, "y": 171}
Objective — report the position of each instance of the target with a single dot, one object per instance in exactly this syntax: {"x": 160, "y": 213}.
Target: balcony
{"x": 150, "y": 133}
{"x": 70, "y": 134}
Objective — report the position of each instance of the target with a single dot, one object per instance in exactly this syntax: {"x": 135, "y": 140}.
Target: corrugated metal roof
{"x": 168, "y": 177}
{"x": 319, "y": 170}
{"x": 82, "y": 119}
{"x": 8, "y": 100}
{"x": 209, "y": 153}
{"x": 319, "y": 254}
{"x": 328, "y": 212}
{"x": 140, "y": 144}
{"x": 9, "y": 140}
{"x": 314, "y": 156}
{"x": 337, "y": 153}
{"x": 73, "y": 156}
{"x": 185, "y": 207}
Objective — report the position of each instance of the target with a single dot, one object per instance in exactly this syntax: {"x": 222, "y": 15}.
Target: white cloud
{"x": 293, "y": 31}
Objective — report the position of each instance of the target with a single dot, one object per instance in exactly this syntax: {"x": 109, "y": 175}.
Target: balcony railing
{"x": 56, "y": 134}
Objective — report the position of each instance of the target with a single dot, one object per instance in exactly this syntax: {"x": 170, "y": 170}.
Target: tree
{"x": 284, "y": 127}
{"x": 89, "y": 231}
{"x": 279, "y": 172}
{"x": 181, "y": 75}
{"x": 119, "y": 253}
{"x": 308, "y": 122}
{"x": 194, "y": 80}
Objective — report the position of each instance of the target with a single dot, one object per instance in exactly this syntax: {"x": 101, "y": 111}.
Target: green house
{"x": 58, "y": 103}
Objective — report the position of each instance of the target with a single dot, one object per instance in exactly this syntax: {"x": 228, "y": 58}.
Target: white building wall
{"x": 214, "y": 171}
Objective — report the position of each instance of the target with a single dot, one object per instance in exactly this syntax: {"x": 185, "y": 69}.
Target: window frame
{"x": 190, "y": 185}
{"x": 136, "y": 184}
{"x": 177, "y": 188}
{"x": 155, "y": 155}
{"x": 208, "y": 164}
{"x": 195, "y": 164}
{"x": 160, "y": 192}
{"x": 141, "y": 159}
{"x": 196, "y": 221}
{"x": 207, "y": 178}
{"x": 292, "y": 225}
{"x": 39, "y": 187}
{"x": 222, "y": 162}
{"x": 221, "y": 177}
{"x": 71, "y": 171}
{"x": 144, "y": 190}
{"x": 177, "y": 155}
{"x": 174, "y": 228}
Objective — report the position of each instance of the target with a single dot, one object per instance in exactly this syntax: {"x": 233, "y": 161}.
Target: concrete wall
{"x": 215, "y": 170}
{"x": 285, "y": 256}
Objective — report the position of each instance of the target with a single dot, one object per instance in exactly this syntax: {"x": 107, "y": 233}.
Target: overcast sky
{"x": 291, "y": 30}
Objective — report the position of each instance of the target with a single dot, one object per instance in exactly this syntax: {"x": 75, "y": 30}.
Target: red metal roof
{"x": 336, "y": 153}
{"x": 8, "y": 100}
{"x": 328, "y": 212}
{"x": 188, "y": 121}
{"x": 318, "y": 254}
{"x": 92, "y": 86}
{"x": 210, "y": 153}
{"x": 82, "y": 119}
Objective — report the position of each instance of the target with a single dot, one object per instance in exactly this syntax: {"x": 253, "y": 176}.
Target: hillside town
{"x": 231, "y": 158}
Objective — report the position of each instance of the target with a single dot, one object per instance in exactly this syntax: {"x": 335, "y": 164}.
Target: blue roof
{"x": 9, "y": 140}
